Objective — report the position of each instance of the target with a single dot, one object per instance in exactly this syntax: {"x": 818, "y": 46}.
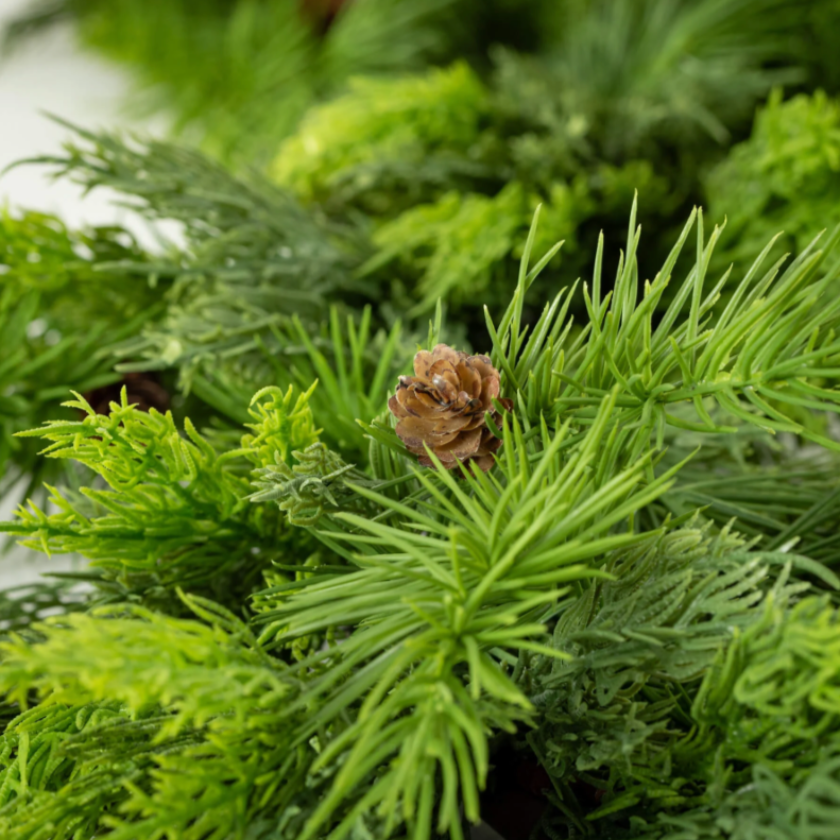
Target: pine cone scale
{"x": 444, "y": 406}
{"x": 461, "y": 447}
{"x": 415, "y": 433}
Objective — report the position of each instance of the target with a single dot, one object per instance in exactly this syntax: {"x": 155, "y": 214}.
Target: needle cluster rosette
{"x": 444, "y": 406}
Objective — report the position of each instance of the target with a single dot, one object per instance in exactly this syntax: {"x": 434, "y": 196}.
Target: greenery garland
{"x": 393, "y": 522}
{"x": 376, "y": 640}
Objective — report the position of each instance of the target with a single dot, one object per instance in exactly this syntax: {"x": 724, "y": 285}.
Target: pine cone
{"x": 443, "y": 406}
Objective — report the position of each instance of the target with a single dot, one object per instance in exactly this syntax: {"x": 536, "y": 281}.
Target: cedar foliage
{"x": 238, "y": 75}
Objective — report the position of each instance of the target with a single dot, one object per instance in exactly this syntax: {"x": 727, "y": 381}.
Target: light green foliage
{"x": 615, "y": 80}
{"x": 439, "y": 594}
{"x": 785, "y": 179}
{"x": 447, "y": 168}
{"x": 39, "y": 779}
{"x": 456, "y": 242}
{"x": 280, "y": 427}
{"x": 397, "y": 166}
{"x": 197, "y": 647}
{"x": 345, "y": 146}
{"x": 153, "y": 719}
{"x": 175, "y": 511}
{"x": 640, "y": 596}
{"x": 459, "y": 245}
{"x": 693, "y": 356}
{"x": 779, "y": 682}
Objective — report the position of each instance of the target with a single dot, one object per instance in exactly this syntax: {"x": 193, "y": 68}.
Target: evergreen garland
{"x": 284, "y": 640}
{"x": 288, "y": 628}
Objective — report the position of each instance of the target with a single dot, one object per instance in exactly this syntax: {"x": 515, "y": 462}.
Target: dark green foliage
{"x": 241, "y": 298}
{"x": 175, "y": 511}
{"x": 241, "y": 73}
{"x": 315, "y": 485}
{"x": 818, "y": 49}
{"x": 623, "y": 716}
{"x": 243, "y": 238}
{"x": 788, "y": 493}
{"x": 288, "y": 629}
{"x": 622, "y": 80}
{"x": 766, "y": 713}
{"x": 448, "y": 165}
{"x": 23, "y": 605}
{"x": 251, "y": 256}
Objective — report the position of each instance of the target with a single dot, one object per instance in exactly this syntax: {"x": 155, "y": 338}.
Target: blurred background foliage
{"x": 241, "y": 73}
{"x": 784, "y": 179}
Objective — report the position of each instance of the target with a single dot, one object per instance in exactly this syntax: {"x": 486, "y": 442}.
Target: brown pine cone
{"x": 443, "y": 406}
